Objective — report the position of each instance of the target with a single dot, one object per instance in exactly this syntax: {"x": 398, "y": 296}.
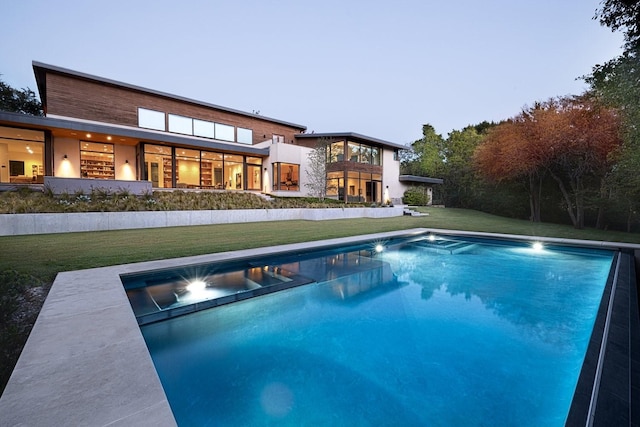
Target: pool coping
{"x": 86, "y": 362}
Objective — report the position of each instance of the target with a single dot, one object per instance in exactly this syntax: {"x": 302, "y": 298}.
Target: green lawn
{"x": 42, "y": 256}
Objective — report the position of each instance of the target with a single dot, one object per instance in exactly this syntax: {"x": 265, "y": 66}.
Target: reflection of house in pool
{"x": 355, "y": 276}
{"x": 348, "y": 275}
{"x": 159, "y": 295}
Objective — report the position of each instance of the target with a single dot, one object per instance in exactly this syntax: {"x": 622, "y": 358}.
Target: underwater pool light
{"x": 196, "y": 286}
{"x": 379, "y": 248}
{"x": 537, "y": 246}
{"x": 432, "y": 237}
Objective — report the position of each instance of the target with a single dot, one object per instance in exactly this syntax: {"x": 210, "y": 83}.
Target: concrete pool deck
{"x": 86, "y": 362}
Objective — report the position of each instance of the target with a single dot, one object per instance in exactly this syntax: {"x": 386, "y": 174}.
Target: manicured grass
{"x": 43, "y": 256}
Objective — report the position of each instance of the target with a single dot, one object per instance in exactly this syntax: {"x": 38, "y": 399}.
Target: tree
{"x": 617, "y": 84}
{"x": 573, "y": 139}
{"x": 429, "y": 150}
{"x": 459, "y": 175}
{"x": 622, "y": 15}
{"x": 317, "y": 169}
{"x": 500, "y": 158}
{"x": 19, "y": 101}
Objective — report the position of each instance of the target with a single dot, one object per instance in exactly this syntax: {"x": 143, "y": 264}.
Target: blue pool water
{"x": 453, "y": 333}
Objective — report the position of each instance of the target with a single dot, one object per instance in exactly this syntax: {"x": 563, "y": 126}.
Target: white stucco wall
{"x": 69, "y": 167}
{"x": 288, "y": 153}
{"x": 123, "y": 153}
{"x": 390, "y": 175}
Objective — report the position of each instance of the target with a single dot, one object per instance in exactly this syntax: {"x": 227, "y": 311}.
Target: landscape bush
{"x": 26, "y": 200}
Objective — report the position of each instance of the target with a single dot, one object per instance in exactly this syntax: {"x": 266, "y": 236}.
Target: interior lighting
{"x": 379, "y": 248}
{"x": 537, "y": 246}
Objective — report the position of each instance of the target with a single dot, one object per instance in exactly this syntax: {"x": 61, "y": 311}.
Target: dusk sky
{"x": 382, "y": 69}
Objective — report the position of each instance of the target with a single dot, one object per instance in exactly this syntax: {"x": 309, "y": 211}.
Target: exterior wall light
{"x": 127, "y": 161}
{"x": 65, "y": 157}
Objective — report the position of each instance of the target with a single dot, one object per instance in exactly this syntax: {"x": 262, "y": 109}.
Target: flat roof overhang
{"x": 352, "y": 136}
{"x": 63, "y": 127}
{"x": 420, "y": 179}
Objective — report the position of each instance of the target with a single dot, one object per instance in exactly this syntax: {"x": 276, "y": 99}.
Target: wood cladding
{"x": 108, "y": 103}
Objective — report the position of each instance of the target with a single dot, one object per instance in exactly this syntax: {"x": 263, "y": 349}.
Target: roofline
{"x": 352, "y": 135}
{"x": 420, "y": 179}
{"x": 10, "y": 119}
{"x": 40, "y": 70}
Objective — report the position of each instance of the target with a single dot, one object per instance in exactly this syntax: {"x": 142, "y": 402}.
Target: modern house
{"x": 100, "y": 133}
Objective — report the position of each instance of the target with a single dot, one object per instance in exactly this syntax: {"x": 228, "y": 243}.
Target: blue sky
{"x": 381, "y": 69}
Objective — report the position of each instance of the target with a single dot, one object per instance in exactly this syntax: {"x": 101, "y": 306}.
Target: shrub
{"x": 416, "y": 196}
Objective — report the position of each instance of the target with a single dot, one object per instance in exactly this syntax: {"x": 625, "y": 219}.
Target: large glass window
{"x": 224, "y": 132}
{"x": 375, "y": 156}
{"x": 335, "y": 185}
{"x": 254, "y": 173}
{"x": 233, "y": 172}
{"x": 180, "y": 124}
{"x": 188, "y": 168}
{"x": 212, "y": 175}
{"x": 354, "y": 188}
{"x": 97, "y": 160}
{"x": 151, "y": 119}
{"x": 362, "y": 187}
{"x": 286, "y": 177}
{"x": 204, "y": 128}
{"x": 360, "y": 153}
{"x": 158, "y": 166}
{"x": 21, "y": 156}
{"x": 245, "y": 136}
{"x": 353, "y": 152}
{"x": 336, "y": 152}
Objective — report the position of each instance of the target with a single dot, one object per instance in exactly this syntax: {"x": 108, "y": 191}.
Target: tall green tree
{"x": 622, "y": 15}
{"x": 425, "y": 156}
{"x": 19, "y": 100}
{"x": 617, "y": 84}
{"x": 460, "y": 180}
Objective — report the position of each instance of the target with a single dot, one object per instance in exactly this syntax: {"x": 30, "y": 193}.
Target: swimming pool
{"x": 447, "y": 332}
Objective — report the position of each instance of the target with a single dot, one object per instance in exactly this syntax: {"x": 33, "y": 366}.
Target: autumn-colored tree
{"x": 572, "y": 139}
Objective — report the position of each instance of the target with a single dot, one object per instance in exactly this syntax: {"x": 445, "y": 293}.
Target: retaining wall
{"x": 20, "y": 224}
